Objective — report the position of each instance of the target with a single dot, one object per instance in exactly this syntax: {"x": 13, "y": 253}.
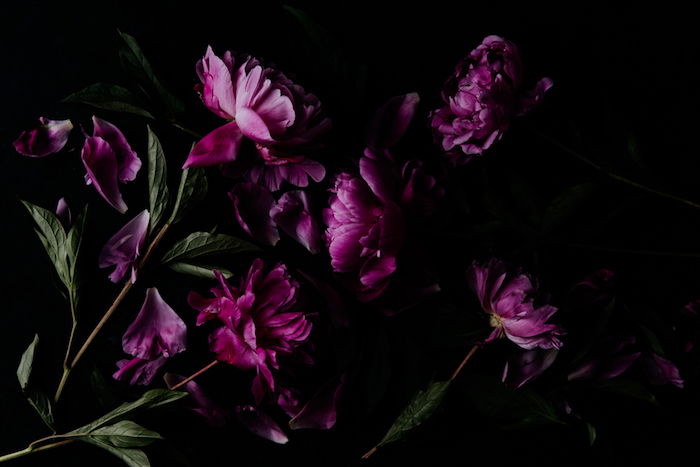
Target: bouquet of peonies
{"x": 321, "y": 246}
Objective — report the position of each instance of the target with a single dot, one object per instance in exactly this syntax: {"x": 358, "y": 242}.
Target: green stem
{"x": 30, "y": 450}
{"x": 71, "y": 337}
{"x": 185, "y": 129}
{"x": 613, "y": 175}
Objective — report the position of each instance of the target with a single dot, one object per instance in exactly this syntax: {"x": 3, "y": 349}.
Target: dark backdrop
{"x": 619, "y": 74}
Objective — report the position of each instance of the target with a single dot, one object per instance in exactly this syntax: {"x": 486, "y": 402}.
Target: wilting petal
{"x": 142, "y": 371}
{"x": 662, "y": 371}
{"x": 291, "y": 214}
{"x": 320, "y": 412}
{"x": 63, "y": 213}
{"x": 527, "y": 366}
{"x": 156, "y": 331}
{"x": 392, "y": 120}
{"x": 252, "y": 204}
{"x": 49, "y": 137}
{"x": 103, "y": 171}
{"x": 218, "y": 147}
{"x": 204, "y": 406}
{"x": 128, "y": 162}
{"x": 124, "y": 248}
{"x": 260, "y": 423}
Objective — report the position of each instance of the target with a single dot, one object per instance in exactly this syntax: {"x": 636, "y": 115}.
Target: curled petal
{"x": 102, "y": 168}
{"x": 253, "y": 126}
{"x": 64, "y": 214}
{"x": 231, "y": 348}
{"x": 291, "y": 214}
{"x": 49, "y": 137}
{"x": 662, "y": 371}
{"x": 252, "y": 204}
{"x": 123, "y": 249}
{"x": 156, "y": 331}
{"x": 217, "y": 88}
{"x": 392, "y": 120}
{"x": 218, "y": 147}
{"x": 128, "y": 162}
{"x": 261, "y": 424}
{"x": 535, "y": 96}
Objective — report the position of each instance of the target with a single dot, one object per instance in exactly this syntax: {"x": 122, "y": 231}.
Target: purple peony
{"x": 156, "y": 334}
{"x": 263, "y": 105}
{"x": 47, "y": 138}
{"x": 508, "y": 299}
{"x": 481, "y": 97}
{"x": 257, "y": 322}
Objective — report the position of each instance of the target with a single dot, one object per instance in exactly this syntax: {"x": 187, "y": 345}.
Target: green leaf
{"x": 627, "y": 388}
{"x": 421, "y": 407}
{"x": 317, "y": 35}
{"x": 157, "y": 179}
{"x": 110, "y": 97}
{"x": 125, "y": 434}
{"x": 73, "y": 242}
{"x": 24, "y": 370}
{"x": 52, "y": 235}
{"x": 199, "y": 270}
{"x": 565, "y": 204}
{"x": 42, "y": 404}
{"x": 592, "y": 433}
{"x": 193, "y": 188}
{"x": 151, "y": 399}
{"x": 135, "y": 62}
{"x": 131, "y": 457}
{"x": 103, "y": 393}
{"x": 203, "y": 243}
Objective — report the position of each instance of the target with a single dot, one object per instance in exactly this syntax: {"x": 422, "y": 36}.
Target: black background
{"x": 617, "y": 73}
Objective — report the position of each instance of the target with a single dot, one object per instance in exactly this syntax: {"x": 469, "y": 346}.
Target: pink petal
{"x": 102, "y": 168}
{"x": 218, "y": 147}
{"x": 49, "y": 137}
{"x": 253, "y": 126}
{"x": 260, "y": 423}
{"x": 124, "y": 247}
{"x": 128, "y": 162}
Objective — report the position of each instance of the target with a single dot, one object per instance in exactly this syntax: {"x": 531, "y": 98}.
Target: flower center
{"x": 495, "y": 321}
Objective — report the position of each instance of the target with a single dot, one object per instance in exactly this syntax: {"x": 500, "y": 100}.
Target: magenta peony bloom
{"x": 156, "y": 334}
{"x": 109, "y": 160}
{"x": 257, "y": 322}
{"x": 49, "y": 137}
{"x": 662, "y": 371}
{"x": 124, "y": 248}
{"x": 262, "y": 104}
{"x": 508, "y": 300}
{"x": 481, "y": 97}
{"x": 365, "y": 228}
{"x": 527, "y": 366}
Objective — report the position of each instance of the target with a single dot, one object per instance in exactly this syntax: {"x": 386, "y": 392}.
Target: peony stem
{"x": 31, "y": 449}
{"x": 69, "y": 347}
{"x": 108, "y": 314}
{"x": 613, "y": 175}
{"x": 193, "y": 376}
{"x": 464, "y": 361}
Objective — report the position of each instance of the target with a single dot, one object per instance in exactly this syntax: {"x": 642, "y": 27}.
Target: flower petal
{"x": 291, "y": 214}
{"x": 102, "y": 168}
{"x": 260, "y": 423}
{"x": 124, "y": 247}
{"x": 218, "y": 147}
{"x": 392, "y": 120}
{"x": 47, "y": 138}
{"x": 252, "y": 204}
{"x": 253, "y": 126}
{"x": 128, "y": 162}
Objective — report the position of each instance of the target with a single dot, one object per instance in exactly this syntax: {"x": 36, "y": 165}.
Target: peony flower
{"x": 508, "y": 300}
{"x": 481, "y": 97}
{"x": 49, "y": 137}
{"x": 263, "y": 105}
{"x": 124, "y": 248}
{"x": 109, "y": 160}
{"x": 156, "y": 334}
{"x": 257, "y": 322}
{"x": 527, "y": 366}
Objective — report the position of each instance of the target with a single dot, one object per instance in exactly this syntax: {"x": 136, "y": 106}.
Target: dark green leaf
{"x": 73, "y": 242}
{"x": 651, "y": 339}
{"x": 110, "y": 97}
{"x": 317, "y": 35}
{"x": 565, "y": 205}
{"x": 417, "y": 411}
{"x": 199, "y": 270}
{"x": 136, "y": 63}
{"x": 157, "y": 179}
{"x": 151, "y": 399}
{"x": 42, "y": 404}
{"x": 193, "y": 188}
{"x": 131, "y": 457}
{"x": 592, "y": 433}
{"x": 203, "y": 243}
{"x": 24, "y": 370}
{"x": 125, "y": 434}
{"x": 627, "y": 388}
{"x": 53, "y": 237}
{"x": 103, "y": 393}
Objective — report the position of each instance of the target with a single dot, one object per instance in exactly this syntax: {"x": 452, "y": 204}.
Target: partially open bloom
{"x": 156, "y": 334}
{"x": 257, "y": 322}
{"x": 124, "y": 248}
{"x": 481, "y": 97}
{"x": 508, "y": 299}
{"x": 47, "y": 138}
{"x": 109, "y": 160}
{"x": 263, "y": 105}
